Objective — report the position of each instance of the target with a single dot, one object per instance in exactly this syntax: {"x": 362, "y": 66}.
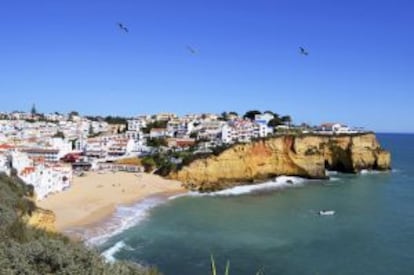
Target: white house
{"x": 262, "y": 130}
{"x": 63, "y": 146}
{"x": 165, "y": 116}
{"x": 243, "y": 131}
{"x": 20, "y": 160}
{"x": 335, "y": 128}
{"x": 5, "y": 164}
{"x": 47, "y": 180}
{"x": 48, "y": 154}
{"x": 341, "y": 129}
{"x": 263, "y": 118}
{"x": 228, "y": 134}
{"x": 158, "y": 132}
{"x": 210, "y": 130}
{"x": 136, "y": 124}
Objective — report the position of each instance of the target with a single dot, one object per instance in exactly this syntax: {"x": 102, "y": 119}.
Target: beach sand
{"x": 94, "y": 197}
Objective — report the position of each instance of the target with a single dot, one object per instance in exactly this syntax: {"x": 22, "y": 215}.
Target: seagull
{"x": 303, "y": 51}
{"x": 122, "y": 27}
{"x": 191, "y": 50}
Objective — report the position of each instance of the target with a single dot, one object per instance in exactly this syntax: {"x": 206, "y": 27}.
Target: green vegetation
{"x": 155, "y": 124}
{"x": 251, "y": 114}
{"x": 227, "y": 270}
{"x": 27, "y": 250}
{"x": 59, "y": 134}
{"x": 149, "y": 163}
{"x": 164, "y": 164}
{"x": 225, "y": 116}
{"x": 157, "y": 142}
{"x": 116, "y": 120}
{"x": 73, "y": 114}
{"x": 95, "y": 118}
{"x": 214, "y": 269}
{"x": 33, "y": 111}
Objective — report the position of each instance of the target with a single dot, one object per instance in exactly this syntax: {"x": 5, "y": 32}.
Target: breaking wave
{"x": 278, "y": 183}
{"x": 110, "y": 253}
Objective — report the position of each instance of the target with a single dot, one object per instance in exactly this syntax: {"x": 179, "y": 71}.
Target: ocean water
{"x": 275, "y": 227}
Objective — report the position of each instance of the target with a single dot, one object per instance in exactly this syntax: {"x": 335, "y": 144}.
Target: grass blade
{"x": 213, "y": 266}
{"x": 227, "y": 268}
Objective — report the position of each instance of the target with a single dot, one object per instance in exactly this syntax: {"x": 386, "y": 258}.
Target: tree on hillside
{"x": 72, "y": 114}
{"x": 148, "y": 163}
{"x": 233, "y": 113}
{"x": 224, "y": 116}
{"x": 91, "y": 131}
{"x": 286, "y": 120}
{"x": 33, "y": 111}
{"x": 251, "y": 114}
{"x": 155, "y": 124}
{"x": 157, "y": 142}
{"x": 116, "y": 120}
{"x": 59, "y": 134}
{"x": 276, "y": 121}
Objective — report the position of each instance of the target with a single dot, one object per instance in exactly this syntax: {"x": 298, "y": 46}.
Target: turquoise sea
{"x": 275, "y": 227}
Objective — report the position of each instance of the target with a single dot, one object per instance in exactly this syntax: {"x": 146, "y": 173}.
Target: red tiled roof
{"x": 328, "y": 125}
{"x": 27, "y": 170}
{"x": 5, "y": 146}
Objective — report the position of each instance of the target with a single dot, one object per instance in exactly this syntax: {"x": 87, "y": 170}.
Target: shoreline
{"x": 99, "y": 230}
{"x": 76, "y": 219}
{"x": 93, "y": 199}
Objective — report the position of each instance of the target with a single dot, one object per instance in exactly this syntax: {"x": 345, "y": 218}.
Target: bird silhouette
{"x": 303, "y": 51}
{"x": 191, "y": 50}
{"x": 123, "y": 27}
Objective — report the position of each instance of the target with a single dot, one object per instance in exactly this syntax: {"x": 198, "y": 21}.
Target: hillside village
{"x": 48, "y": 150}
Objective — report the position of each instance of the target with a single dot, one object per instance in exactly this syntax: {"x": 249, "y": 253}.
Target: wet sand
{"x": 94, "y": 197}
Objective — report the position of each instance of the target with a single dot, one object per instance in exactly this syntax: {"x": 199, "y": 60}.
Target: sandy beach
{"x": 94, "y": 197}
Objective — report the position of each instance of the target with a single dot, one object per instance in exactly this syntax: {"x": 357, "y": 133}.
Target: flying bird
{"x": 303, "y": 51}
{"x": 123, "y": 27}
{"x": 191, "y": 50}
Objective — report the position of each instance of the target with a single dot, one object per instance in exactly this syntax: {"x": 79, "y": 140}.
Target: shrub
{"x": 27, "y": 250}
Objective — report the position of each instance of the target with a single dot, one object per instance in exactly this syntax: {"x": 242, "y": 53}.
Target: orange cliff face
{"x": 305, "y": 156}
{"x": 42, "y": 219}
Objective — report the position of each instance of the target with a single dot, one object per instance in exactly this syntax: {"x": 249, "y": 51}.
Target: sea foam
{"x": 331, "y": 172}
{"x": 277, "y": 183}
{"x": 371, "y": 172}
{"x": 110, "y": 253}
{"x": 124, "y": 218}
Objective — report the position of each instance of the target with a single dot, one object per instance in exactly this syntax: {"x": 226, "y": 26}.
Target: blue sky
{"x": 70, "y": 55}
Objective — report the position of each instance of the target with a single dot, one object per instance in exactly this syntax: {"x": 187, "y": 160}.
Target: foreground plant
{"x": 214, "y": 269}
{"x": 227, "y": 271}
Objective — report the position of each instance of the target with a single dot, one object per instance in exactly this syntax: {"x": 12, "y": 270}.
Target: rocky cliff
{"x": 305, "y": 156}
{"x": 42, "y": 219}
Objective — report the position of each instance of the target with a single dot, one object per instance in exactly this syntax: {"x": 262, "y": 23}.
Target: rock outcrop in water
{"x": 306, "y": 156}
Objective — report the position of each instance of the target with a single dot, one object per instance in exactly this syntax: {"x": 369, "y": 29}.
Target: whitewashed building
{"x": 335, "y": 128}
{"x": 136, "y": 125}
{"x": 47, "y": 180}
{"x": 263, "y": 118}
{"x": 5, "y": 164}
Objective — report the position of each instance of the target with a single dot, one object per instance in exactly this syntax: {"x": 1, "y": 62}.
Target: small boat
{"x": 326, "y": 212}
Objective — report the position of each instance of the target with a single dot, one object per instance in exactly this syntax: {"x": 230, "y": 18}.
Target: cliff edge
{"x": 306, "y": 156}
{"x": 42, "y": 219}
